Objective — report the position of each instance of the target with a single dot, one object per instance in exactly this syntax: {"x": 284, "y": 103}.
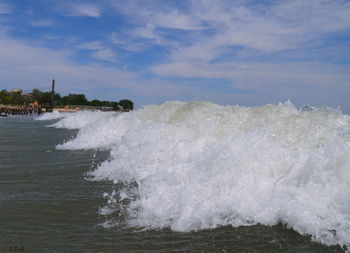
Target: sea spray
{"x": 51, "y": 116}
{"x": 81, "y": 119}
{"x": 199, "y": 165}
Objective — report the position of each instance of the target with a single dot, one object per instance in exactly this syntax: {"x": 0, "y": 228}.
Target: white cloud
{"x": 91, "y": 45}
{"x": 115, "y": 38}
{"x": 258, "y": 30}
{"x": 104, "y": 54}
{"x": 175, "y": 20}
{"x": 83, "y": 9}
{"x": 250, "y": 75}
{"x": 273, "y": 47}
{"x": 146, "y": 31}
{"x": 267, "y": 28}
{"x": 101, "y": 52}
{"x": 42, "y": 23}
{"x": 35, "y": 66}
{"x": 4, "y": 8}
{"x": 267, "y": 48}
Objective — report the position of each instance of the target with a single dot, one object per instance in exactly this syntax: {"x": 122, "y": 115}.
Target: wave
{"x": 198, "y": 165}
{"x": 51, "y": 116}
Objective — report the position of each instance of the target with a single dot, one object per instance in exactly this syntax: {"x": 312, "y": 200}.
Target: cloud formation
{"x": 42, "y": 23}
{"x": 36, "y": 65}
{"x": 4, "y": 8}
{"x": 247, "y": 52}
{"x": 82, "y": 9}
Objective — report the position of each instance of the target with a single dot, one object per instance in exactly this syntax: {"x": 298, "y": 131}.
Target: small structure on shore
{"x": 6, "y": 110}
{"x": 15, "y": 102}
{"x": 19, "y": 91}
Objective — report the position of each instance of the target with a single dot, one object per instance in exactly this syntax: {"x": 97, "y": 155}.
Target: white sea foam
{"x": 96, "y": 129}
{"x": 199, "y": 165}
{"x": 51, "y": 116}
{"x": 81, "y": 119}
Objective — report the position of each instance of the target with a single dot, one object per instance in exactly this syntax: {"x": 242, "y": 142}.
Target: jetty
{"x": 9, "y": 110}
{"x": 19, "y": 102}
{"x": 25, "y": 107}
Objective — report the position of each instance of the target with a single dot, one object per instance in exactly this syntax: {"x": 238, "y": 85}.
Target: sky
{"x": 244, "y": 52}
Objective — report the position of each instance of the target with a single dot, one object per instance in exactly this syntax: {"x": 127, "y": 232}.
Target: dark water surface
{"x": 47, "y": 205}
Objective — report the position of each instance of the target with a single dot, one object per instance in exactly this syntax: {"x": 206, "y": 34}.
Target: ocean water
{"x": 177, "y": 177}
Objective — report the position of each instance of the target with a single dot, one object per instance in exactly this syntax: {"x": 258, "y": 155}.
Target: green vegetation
{"x": 44, "y": 98}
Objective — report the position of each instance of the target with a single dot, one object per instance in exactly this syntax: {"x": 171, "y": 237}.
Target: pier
{"x": 9, "y": 110}
{"x": 27, "y": 108}
{"x": 19, "y": 102}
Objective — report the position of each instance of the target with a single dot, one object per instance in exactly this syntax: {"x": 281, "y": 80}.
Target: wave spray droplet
{"x": 200, "y": 165}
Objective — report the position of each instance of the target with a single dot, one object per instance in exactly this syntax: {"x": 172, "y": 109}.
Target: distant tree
{"x": 5, "y": 97}
{"x": 17, "y": 99}
{"x": 95, "y": 102}
{"x": 75, "y": 99}
{"x": 37, "y": 95}
{"x": 44, "y": 98}
{"x": 106, "y": 103}
{"x": 127, "y": 104}
{"x": 57, "y": 99}
{"x": 114, "y": 105}
{"x": 4, "y": 93}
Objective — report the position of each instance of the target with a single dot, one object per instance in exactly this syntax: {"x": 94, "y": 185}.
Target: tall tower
{"x": 52, "y": 94}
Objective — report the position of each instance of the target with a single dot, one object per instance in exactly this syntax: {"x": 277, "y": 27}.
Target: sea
{"x": 177, "y": 177}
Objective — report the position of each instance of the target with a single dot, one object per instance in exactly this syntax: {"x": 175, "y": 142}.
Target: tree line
{"x": 44, "y": 98}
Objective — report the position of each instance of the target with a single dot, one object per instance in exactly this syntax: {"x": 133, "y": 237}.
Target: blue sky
{"x": 227, "y": 52}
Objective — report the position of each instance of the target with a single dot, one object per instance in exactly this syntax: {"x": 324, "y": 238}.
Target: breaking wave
{"x": 198, "y": 165}
{"x": 51, "y": 116}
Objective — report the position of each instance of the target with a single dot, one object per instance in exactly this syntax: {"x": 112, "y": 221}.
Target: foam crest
{"x": 50, "y": 116}
{"x": 200, "y": 165}
{"x": 81, "y": 119}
